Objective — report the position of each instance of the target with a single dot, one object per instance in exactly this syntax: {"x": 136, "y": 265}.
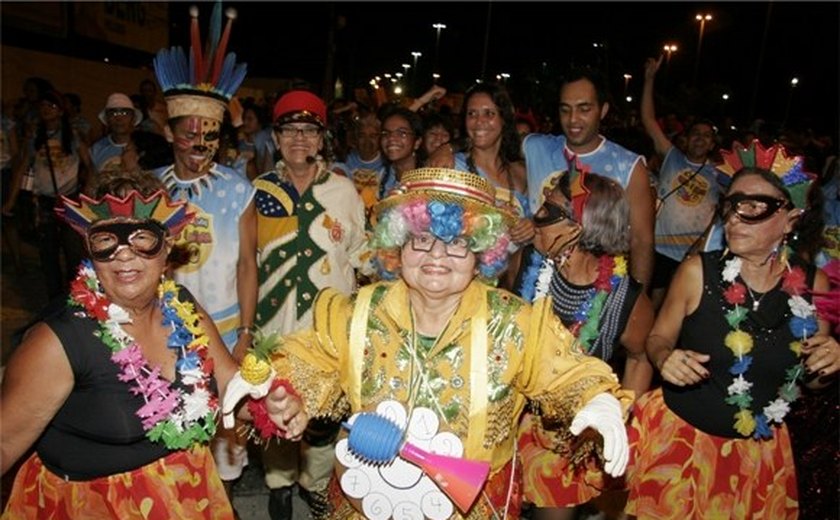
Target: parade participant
{"x": 55, "y": 162}
{"x": 736, "y": 335}
{"x": 311, "y": 235}
{"x": 582, "y": 230}
{"x": 583, "y": 105}
{"x": 216, "y": 254}
{"x": 687, "y": 188}
{"x": 120, "y": 118}
{"x": 400, "y": 139}
{"x": 449, "y": 358}
{"x": 365, "y": 162}
{"x": 494, "y": 152}
{"x": 117, "y": 392}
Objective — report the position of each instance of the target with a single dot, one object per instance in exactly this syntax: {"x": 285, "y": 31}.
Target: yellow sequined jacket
{"x": 362, "y": 350}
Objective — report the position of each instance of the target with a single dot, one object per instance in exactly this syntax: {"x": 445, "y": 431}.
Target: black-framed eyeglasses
{"x": 550, "y": 213}
{"x": 751, "y": 209}
{"x": 145, "y": 239}
{"x": 294, "y": 131}
{"x": 458, "y": 247}
{"x": 119, "y": 112}
{"x": 400, "y": 133}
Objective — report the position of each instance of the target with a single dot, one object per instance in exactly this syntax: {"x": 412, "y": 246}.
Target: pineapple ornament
{"x": 254, "y": 376}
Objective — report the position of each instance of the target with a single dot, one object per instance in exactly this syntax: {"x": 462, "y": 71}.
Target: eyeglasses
{"x": 399, "y": 133}
{"x": 145, "y": 239}
{"x": 119, "y": 112}
{"x": 550, "y": 213}
{"x": 458, "y": 247}
{"x": 751, "y": 209}
{"x": 294, "y": 131}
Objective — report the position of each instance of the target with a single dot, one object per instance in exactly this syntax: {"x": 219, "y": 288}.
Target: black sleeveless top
{"x": 96, "y": 432}
{"x": 702, "y": 405}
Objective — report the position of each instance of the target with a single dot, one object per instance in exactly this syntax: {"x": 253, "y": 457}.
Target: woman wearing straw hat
{"x": 448, "y": 358}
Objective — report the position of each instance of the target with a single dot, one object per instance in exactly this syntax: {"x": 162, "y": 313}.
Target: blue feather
{"x": 215, "y": 34}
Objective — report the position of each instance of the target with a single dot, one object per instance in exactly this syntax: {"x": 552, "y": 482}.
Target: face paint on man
{"x": 196, "y": 141}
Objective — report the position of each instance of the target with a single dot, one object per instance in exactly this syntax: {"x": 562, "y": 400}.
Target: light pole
{"x": 793, "y": 83}
{"x": 669, "y": 48}
{"x": 702, "y": 18}
{"x": 415, "y": 55}
{"x": 627, "y": 78}
{"x": 438, "y": 27}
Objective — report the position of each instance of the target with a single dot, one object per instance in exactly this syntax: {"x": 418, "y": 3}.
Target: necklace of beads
{"x": 611, "y": 270}
{"x": 174, "y": 416}
{"x": 802, "y": 324}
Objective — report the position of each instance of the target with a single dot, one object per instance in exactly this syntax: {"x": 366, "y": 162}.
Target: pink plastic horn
{"x": 376, "y": 440}
{"x": 460, "y": 479}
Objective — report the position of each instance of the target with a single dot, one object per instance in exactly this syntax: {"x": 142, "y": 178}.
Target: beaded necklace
{"x": 802, "y": 324}
{"x": 178, "y": 418}
{"x": 611, "y": 271}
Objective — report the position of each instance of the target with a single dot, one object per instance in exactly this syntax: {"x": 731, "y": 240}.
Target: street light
{"x": 503, "y": 77}
{"x": 415, "y": 55}
{"x": 627, "y": 78}
{"x": 702, "y": 18}
{"x": 438, "y": 27}
{"x": 669, "y": 48}
{"x": 793, "y": 83}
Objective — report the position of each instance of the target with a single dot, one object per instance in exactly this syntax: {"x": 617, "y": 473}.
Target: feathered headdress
{"x": 203, "y": 83}
{"x": 775, "y": 159}
{"x": 577, "y": 185}
{"x": 81, "y": 214}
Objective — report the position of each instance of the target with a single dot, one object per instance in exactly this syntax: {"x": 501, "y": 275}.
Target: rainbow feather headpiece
{"x": 81, "y": 214}
{"x": 577, "y": 185}
{"x": 775, "y": 159}
{"x": 203, "y": 84}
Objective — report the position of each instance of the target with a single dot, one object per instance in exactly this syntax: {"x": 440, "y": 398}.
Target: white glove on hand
{"x": 238, "y": 388}
{"x": 603, "y": 413}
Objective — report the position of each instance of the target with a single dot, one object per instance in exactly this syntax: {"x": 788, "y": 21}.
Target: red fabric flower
{"x": 735, "y": 294}
{"x": 794, "y": 282}
{"x": 266, "y": 428}
{"x": 606, "y": 264}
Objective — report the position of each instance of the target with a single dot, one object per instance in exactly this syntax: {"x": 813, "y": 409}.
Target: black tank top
{"x": 96, "y": 432}
{"x": 704, "y": 330}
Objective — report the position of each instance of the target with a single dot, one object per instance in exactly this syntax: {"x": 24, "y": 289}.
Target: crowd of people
{"x": 648, "y": 331}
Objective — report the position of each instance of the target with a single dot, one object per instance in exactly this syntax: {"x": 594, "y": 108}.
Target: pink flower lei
{"x": 172, "y": 416}
{"x": 802, "y": 324}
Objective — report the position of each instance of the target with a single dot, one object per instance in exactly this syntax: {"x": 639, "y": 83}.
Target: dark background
{"x": 535, "y": 42}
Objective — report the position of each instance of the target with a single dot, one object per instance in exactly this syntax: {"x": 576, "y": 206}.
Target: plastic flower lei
{"x": 802, "y": 324}
{"x": 178, "y": 418}
{"x": 611, "y": 270}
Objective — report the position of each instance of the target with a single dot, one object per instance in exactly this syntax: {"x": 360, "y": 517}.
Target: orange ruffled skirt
{"x": 678, "y": 472}
{"x": 183, "y": 485}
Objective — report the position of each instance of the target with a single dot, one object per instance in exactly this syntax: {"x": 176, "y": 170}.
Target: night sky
{"x": 534, "y": 40}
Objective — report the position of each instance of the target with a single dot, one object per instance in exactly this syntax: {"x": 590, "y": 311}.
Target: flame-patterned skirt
{"x": 181, "y": 485}
{"x": 678, "y": 472}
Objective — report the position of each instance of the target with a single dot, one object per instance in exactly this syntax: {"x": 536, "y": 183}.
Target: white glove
{"x": 603, "y": 413}
{"x": 238, "y": 388}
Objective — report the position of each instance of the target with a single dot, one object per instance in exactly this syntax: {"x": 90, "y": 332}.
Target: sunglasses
{"x": 119, "y": 112}
{"x": 550, "y": 213}
{"x": 751, "y": 209}
{"x": 145, "y": 239}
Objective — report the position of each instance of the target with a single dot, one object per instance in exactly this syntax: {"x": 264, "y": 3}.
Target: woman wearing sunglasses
{"x": 583, "y": 231}
{"x": 117, "y": 393}
{"x": 736, "y": 336}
